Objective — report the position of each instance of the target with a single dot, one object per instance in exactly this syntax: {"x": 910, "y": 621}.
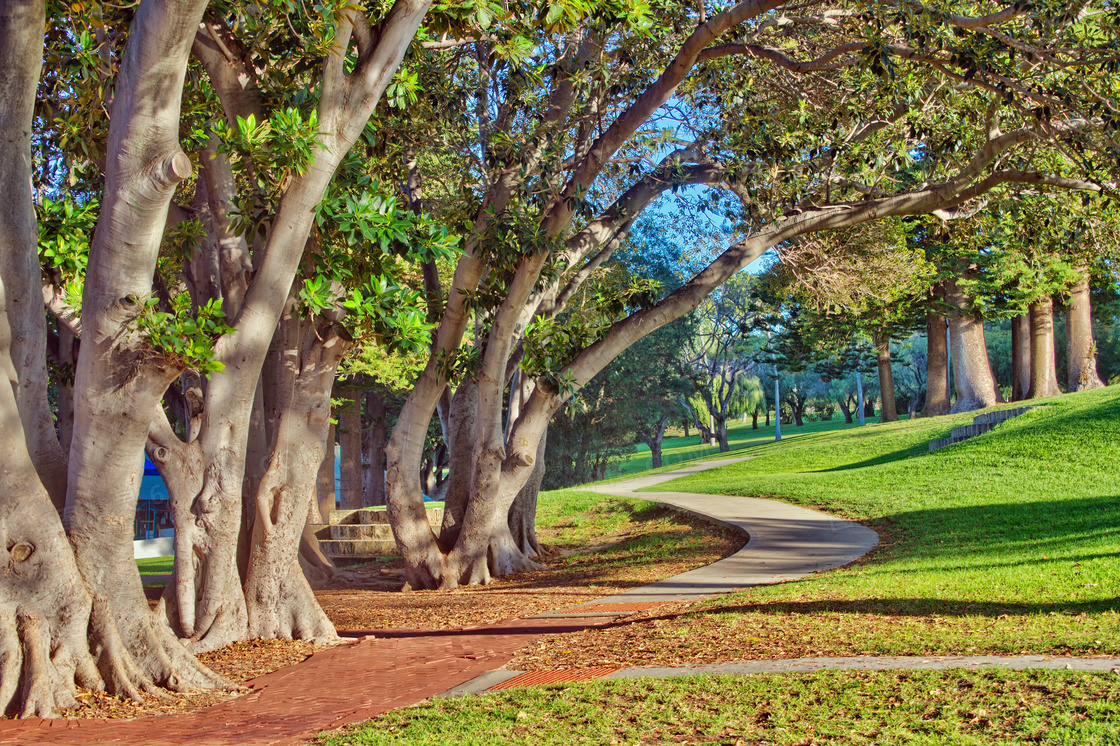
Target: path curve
{"x": 786, "y": 542}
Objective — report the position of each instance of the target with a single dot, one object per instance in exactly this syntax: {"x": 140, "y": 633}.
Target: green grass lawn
{"x": 155, "y": 565}
{"x": 913, "y": 707}
{"x": 739, "y": 435}
{"x": 1006, "y": 544}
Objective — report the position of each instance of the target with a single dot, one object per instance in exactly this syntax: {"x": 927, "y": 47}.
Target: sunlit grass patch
{"x": 912, "y": 707}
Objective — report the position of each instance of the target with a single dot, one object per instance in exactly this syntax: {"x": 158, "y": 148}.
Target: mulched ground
{"x": 371, "y": 599}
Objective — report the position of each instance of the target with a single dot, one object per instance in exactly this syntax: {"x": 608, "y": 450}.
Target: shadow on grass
{"x": 885, "y": 458}
{"x": 1004, "y": 528}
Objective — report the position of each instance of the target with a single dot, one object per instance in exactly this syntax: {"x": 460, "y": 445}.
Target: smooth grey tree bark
{"x": 886, "y": 378}
{"x": 1081, "y": 350}
{"x": 937, "y": 360}
{"x": 523, "y": 513}
{"x": 1044, "y": 372}
{"x": 45, "y": 606}
{"x": 120, "y": 379}
{"x": 972, "y": 372}
{"x": 279, "y": 600}
{"x": 21, "y": 54}
{"x": 47, "y": 642}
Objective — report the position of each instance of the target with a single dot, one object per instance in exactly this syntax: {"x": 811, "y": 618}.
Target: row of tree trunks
{"x": 350, "y": 445}
{"x": 1033, "y": 361}
{"x": 373, "y": 485}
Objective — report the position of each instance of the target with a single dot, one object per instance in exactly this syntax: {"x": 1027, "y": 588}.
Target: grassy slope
{"x": 739, "y": 435}
{"x": 1007, "y": 543}
{"x": 1022, "y": 524}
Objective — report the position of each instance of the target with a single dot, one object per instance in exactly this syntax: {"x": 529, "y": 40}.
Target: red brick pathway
{"x": 335, "y": 687}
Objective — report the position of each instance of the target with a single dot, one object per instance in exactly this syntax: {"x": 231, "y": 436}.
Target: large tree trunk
{"x": 937, "y": 366}
{"x": 886, "y": 378}
{"x": 374, "y": 486}
{"x": 350, "y": 443}
{"x": 279, "y": 600}
{"x": 120, "y": 381}
{"x": 21, "y": 54}
{"x": 523, "y": 512}
{"x": 44, "y": 604}
{"x": 1020, "y": 357}
{"x": 972, "y": 372}
{"x": 656, "y": 438}
{"x": 721, "y": 434}
{"x": 1044, "y": 373}
{"x": 1081, "y": 350}
{"x": 464, "y": 406}
{"x": 846, "y": 409}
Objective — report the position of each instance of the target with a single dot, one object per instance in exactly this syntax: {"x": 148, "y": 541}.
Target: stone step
{"x": 368, "y": 516}
{"x": 969, "y": 431}
{"x": 358, "y": 549}
{"x": 981, "y": 424}
{"x": 1000, "y": 415}
{"x": 362, "y": 532}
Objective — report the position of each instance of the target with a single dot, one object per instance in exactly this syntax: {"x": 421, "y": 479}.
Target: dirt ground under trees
{"x": 641, "y": 550}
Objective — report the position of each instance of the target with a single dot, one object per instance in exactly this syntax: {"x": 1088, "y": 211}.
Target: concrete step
{"x": 969, "y": 431}
{"x": 981, "y": 424}
{"x": 1001, "y": 415}
{"x": 369, "y": 517}
{"x": 358, "y": 549}
{"x": 362, "y": 532}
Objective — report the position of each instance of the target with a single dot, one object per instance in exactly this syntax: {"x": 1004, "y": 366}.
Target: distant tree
{"x": 721, "y": 355}
{"x": 647, "y": 382}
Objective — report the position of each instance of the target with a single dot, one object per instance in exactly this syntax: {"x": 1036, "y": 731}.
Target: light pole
{"x": 859, "y": 397}
{"x": 777, "y": 406}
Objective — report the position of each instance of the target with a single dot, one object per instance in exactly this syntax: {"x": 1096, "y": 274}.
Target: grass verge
{"x": 155, "y": 565}
{"x": 912, "y": 707}
{"x": 740, "y": 435}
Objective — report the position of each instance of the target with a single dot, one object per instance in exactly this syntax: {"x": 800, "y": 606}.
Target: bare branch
{"x": 66, "y": 314}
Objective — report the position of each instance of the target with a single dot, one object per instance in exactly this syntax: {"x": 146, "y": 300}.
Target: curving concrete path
{"x": 786, "y": 542}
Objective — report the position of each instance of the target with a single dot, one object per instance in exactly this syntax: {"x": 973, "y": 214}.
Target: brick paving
{"x": 381, "y": 671}
{"x": 554, "y": 676}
